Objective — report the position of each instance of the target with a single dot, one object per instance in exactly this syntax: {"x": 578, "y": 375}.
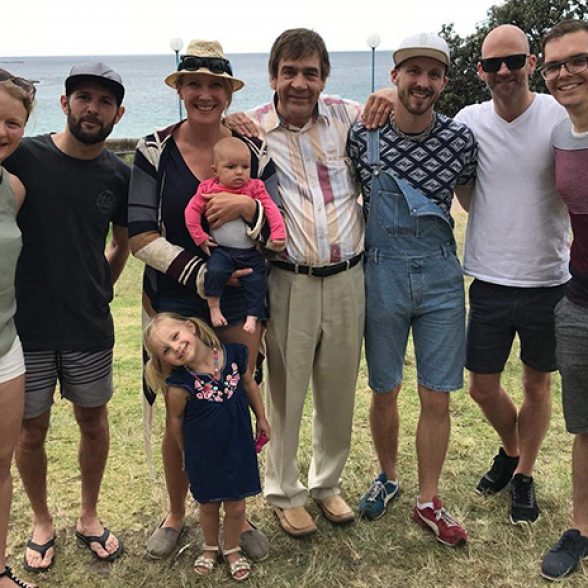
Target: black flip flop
{"x": 7, "y": 573}
{"x": 87, "y": 540}
{"x": 42, "y": 550}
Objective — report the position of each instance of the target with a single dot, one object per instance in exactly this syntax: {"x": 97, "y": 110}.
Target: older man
{"x": 408, "y": 171}
{"x": 76, "y": 191}
{"x": 316, "y": 291}
{"x": 516, "y": 249}
{"x": 565, "y": 50}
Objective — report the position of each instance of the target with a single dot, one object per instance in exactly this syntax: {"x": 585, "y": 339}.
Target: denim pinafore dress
{"x": 413, "y": 280}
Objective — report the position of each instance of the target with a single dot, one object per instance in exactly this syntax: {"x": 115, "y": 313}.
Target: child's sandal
{"x": 205, "y": 565}
{"x": 241, "y": 568}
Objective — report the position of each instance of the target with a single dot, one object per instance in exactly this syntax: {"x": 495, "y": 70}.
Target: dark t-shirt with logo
{"x": 63, "y": 280}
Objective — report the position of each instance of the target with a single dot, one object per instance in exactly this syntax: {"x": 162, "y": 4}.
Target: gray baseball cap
{"x": 95, "y": 71}
{"x": 422, "y": 45}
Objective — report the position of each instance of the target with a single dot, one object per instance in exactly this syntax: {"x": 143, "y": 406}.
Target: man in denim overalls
{"x": 408, "y": 171}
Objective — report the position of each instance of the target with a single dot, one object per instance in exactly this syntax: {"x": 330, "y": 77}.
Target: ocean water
{"x": 151, "y": 104}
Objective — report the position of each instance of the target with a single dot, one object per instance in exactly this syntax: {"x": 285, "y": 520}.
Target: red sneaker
{"x": 447, "y": 530}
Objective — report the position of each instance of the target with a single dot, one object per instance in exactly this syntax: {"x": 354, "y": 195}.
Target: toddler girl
{"x": 208, "y": 393}
{"x": 232, "y": 248}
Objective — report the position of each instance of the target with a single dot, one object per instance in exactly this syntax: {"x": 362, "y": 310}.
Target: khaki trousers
{"x": 314, "y": 337}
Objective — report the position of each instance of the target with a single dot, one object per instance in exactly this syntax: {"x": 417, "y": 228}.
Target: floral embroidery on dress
{"x": 217, "y": 390}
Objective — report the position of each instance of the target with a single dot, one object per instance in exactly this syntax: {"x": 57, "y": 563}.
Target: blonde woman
{"x": 168, "y": 168}
{"x": 16, "y": 102}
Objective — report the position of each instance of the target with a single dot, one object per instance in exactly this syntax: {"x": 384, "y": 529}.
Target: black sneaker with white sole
{"x": 564, "y": 557}
{"x": 499, "y": 475}
{"x": 523, "y": 508}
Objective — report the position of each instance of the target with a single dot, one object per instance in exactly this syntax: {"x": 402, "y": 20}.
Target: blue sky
{"x": 110, "y": 27}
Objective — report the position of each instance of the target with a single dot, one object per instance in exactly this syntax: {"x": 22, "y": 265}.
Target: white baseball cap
{"x": 422, "y": 45}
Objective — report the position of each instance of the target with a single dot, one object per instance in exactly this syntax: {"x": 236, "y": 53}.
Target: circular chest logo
{"x": 106, "y": 202}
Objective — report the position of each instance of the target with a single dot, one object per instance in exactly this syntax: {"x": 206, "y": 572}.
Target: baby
{"x": 231, "y": 248}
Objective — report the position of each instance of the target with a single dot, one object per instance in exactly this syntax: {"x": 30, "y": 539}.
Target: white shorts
{"x": 12, "y": 362}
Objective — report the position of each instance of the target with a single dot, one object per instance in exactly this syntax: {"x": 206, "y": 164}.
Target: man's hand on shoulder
{"x": 379, "y": 107}
{"x": 242, "y": 124}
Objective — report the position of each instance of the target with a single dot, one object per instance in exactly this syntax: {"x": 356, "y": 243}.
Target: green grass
{"x": 389, "y": 552}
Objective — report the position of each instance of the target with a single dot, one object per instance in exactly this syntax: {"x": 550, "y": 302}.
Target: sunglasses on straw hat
{"x": 206, "y": 57}
{"x": 214, "y": 64}
{"x": 26, "y": 85}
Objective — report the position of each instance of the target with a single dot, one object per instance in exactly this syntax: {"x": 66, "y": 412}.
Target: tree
{"x": 535, "y": 17}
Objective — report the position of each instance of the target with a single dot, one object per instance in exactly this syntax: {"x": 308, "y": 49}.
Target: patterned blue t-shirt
{"x": 445, "y": 157}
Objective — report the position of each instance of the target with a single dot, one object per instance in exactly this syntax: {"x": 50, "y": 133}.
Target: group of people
{"x": 351, "y": 209}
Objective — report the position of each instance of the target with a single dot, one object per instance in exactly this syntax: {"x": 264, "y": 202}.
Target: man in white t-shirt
{"x": 517, "y": 250}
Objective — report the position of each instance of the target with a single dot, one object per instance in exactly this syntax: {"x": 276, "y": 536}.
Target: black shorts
{"x": 497, "y": 313}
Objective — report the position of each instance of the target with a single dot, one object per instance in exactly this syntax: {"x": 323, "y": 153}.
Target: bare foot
{"x": 43, "y": 532}
{"x": 96, "y": 528}
{"x": 250, "y": 324}
{"x": 217, "y": 319}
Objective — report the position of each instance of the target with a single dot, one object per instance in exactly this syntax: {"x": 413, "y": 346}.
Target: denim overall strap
{"x": 373, "y": 148}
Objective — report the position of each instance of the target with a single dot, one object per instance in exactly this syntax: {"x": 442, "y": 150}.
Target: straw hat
{"x": 213, "y": 63}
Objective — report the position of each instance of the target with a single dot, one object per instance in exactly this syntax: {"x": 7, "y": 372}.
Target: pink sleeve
{"x": 256, "y": 188}
{"x": 193, "y": 215}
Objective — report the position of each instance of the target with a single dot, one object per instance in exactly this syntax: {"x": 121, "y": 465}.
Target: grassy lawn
{"x": 392, "y": 551}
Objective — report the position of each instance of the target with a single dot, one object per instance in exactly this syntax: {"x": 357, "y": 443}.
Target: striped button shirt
{"x": 319, "y": 194}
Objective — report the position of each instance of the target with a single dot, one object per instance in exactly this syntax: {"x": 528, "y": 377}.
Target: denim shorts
{"x": 497, "y": 313}
{"x": 571, "y": 333}
{"x": 427, "y": 295}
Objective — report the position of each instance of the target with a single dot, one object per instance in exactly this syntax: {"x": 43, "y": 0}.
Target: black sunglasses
{"x": 493, "y": 64}
{"x": 26, "y": 85}
{"x": 214, "y": 64}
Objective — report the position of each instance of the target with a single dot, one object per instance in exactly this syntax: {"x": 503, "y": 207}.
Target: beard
{"x": 419, "y": 106}
{"x": 98, "y": 135}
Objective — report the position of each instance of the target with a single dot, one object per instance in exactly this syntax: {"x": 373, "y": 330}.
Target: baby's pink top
{"x": 254, "y": 188}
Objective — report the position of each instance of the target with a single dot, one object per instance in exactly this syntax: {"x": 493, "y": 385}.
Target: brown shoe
{"x": 295, "y": 521}
{"x": 336, "y": 509}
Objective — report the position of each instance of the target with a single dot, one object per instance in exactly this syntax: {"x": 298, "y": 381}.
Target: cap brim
{"x": 172, "y": 79}
{"x": 406, "y": 53}
{"x": 73, "y": 81}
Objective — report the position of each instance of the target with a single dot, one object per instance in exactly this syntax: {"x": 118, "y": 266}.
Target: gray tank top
{"x": 10, "y": 246}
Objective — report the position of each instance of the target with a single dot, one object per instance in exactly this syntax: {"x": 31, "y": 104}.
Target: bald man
{"x": 516, "y": 250}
